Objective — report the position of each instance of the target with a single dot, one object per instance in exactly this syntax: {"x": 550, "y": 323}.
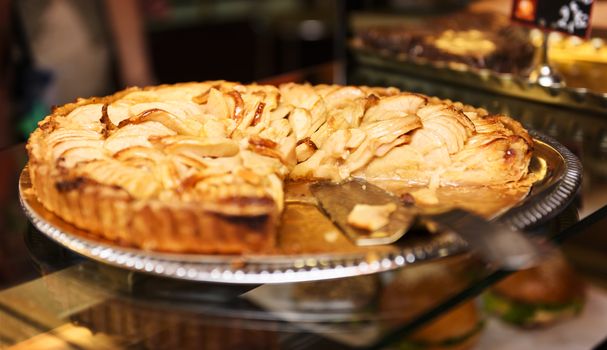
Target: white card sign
{"x": 567, "y": 16}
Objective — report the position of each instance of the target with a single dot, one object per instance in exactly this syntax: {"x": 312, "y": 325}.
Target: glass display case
{"x": 51, "y": 297}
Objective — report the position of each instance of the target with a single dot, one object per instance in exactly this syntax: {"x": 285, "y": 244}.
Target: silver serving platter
{"x": 562, "y": 173}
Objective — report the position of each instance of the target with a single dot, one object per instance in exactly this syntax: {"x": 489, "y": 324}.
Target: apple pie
{"x": 201, "y": 167}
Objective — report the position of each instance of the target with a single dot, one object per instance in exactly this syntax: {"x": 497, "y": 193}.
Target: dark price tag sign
{"x": 567, "y": 16}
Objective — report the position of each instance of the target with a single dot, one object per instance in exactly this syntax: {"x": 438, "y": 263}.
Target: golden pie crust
{"x": 200, "y": 167}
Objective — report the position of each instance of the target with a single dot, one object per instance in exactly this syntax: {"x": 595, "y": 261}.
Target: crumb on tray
{"x": 370, "y": 217}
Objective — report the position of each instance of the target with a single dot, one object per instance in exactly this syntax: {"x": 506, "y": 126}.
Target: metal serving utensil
{"x": 495, "y": 243}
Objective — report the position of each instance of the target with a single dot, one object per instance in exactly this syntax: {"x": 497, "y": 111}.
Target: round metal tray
{"x": 549, "y": 195}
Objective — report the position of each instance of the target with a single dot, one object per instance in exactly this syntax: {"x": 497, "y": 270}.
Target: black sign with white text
{"x": 567, "y": 16}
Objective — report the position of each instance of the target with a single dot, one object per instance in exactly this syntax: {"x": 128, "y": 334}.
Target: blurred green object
{"x": 527, "y": 314}
{"x": 30, "y": 119}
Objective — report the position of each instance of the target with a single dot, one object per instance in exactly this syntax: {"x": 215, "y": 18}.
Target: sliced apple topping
{"x": 383, "y": 149}
{"x": 188, "y": 145}
{"x": 183, "y": 91}
{"x": 118, "y": 111}
{"x": 447, "y": 124}
{"x": 307, "y": 169}
{"x": 258, "y": 113}
{"x": 222, "y": 165}
{"x": 266, "y": 147}
{"x": 381, "y": 91}
{"x": 301, "y": 96}
{"x": 342, "y": 97}
{"x": 325, "y": 89}
{"x": 191, "y": 163}
{"x": 301, "y": 123}
{"x": 139, "y": 152}
{"x": 448, "y": 112}
{"x": 321, "y": 135}
{"x": 108, "y": 125}
{"x": 385, "y": 131}
{"x": 360, "y": 157}
{"x": 304, "y": 149}
{"x": 181, "y": 109}
{"x": 61, "y": 135}
{"x": 352, "y": 112}
{"x": 249, "y": 176}
{"x": 84, "y": 117}
{"x": 228, "y": 146}
{"x": 276, "y": 130}
{"x": 168, "y": 174}
{"x": 235, "y": 104}
{"x": 138, "y": 183}
{"x": 429, "y": 144}
{"x": 61, "y": 148}
{"x": 319, "y": 115}
{"x": 263, "y": 165}
{"x": 357, "y": 136}
{"x": 254, "y": 106}
{"x": 214, "y": 128}
{"x": 171, "y": 121}
{"x": 72, "y": 156}
{"x": 280, "y": 112}
{"x": 394, "y": 107}
{"x": 336, "y": 144}
{"x": 286, "y": 147}
{"x": 402, "y": 163}
{"x": 338, "y": 119}
{"x": 135, "y": 135}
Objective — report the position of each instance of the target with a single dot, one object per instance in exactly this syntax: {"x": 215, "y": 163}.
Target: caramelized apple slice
{"x": 305, "y": 149}
{"x": 341, "y": 96}
{"x": 265, "y": 147}
{"x": 444, "y": 111}
{"x": 135, "y": 135}
{"x": 171, "y": 121}
{"x": 138, "y": 152}
{"x": 394, "y": 107}
{"x": 179, "y": 144}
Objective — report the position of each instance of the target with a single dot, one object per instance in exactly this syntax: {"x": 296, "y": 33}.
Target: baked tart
{"x": 201, "y": 167}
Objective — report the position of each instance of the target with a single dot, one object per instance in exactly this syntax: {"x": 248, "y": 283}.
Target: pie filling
{"x": 225, "y": 150}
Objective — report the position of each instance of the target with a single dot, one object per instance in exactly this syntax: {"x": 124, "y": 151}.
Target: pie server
{"x": 495, "y": 243}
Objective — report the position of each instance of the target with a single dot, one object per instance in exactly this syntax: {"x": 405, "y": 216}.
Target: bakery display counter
{"x": 480, "y": 49}
{"x": 52, "y": 297}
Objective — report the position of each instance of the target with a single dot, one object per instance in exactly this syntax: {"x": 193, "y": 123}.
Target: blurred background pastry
{"x": 413, "y": 290}
{"x": 539, "y": 296}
